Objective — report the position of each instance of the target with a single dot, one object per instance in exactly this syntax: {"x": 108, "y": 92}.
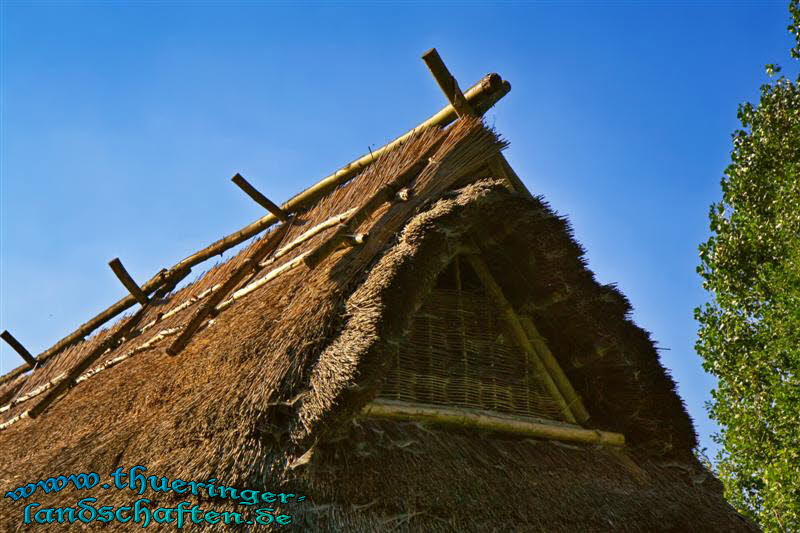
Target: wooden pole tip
{"x": 19, "y": 348}
{"x": 127, "y": 281}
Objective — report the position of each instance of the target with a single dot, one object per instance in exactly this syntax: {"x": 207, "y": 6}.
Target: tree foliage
{"x": 750, "y": 331}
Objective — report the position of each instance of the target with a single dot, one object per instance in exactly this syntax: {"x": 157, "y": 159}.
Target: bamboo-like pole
{"x": 496, "y": 293}
{"x": 308, "y": 234}
{"x": 554, "y": 369}
{"x": 398, "y": 215}
{"x": 385, "y": 194}
{"x": 264, "y": 248}
{"x": 490, "y": 421}
{"x": 482, "y": 96}
{"x": 259, "y": 198}
{"x": 19, "y": 348}
{"x": 162, "y": 279}
{"x": 126, "y": 279}
{"x": 260, "y": 282}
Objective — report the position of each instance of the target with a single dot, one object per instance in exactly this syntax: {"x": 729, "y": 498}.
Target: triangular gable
{"x": 459, "y": 352}
{"x": 468, "y": 358}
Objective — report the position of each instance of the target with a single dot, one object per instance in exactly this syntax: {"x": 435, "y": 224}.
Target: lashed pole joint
{"x": 128, "y": 282}
{"x": 19, "y": 348}
{"x": 497, "y": 164}
{"x": 259, "y": 198}
{"x": 447, "y": 83}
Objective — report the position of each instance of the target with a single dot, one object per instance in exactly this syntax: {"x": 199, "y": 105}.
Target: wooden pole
{"x": 127, "y": 281}
{"x": 356, "y": 239}
{"x": 68, "y": 381}
{"x": 554, "y": 369}
{"x": 447, "y": 83}
{"x": 496, "y": 293}
{"x": 259, "y": 198}
{"x": 490, "y": 421}
{"x": 385, "y": 194}
{"x": 264, "y": 248}
{"x": 482, "y": 96}
{"x": 308, "y": 234}
{"x": 19, "y": 348}
{"x": 497, "y": 164}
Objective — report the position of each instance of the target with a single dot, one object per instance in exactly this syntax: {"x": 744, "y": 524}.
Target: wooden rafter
{"x": 269, "y": 245}
{"x": 554, "y": 369}
{"x": 68, "y": 381}
{"x": 385, "y": 194}
{"x": 447, "y": 83}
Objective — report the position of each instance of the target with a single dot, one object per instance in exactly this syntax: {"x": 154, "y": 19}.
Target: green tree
{"x": 749, "y": 333}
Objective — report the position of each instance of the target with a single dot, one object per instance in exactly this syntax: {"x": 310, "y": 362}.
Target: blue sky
{"x": 122, "y": 124}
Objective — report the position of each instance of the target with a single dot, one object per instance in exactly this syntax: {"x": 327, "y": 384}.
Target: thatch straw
{"x": 264, "y": 396}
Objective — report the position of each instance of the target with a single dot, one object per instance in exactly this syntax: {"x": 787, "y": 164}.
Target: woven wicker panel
{"x": 457, "y": 355}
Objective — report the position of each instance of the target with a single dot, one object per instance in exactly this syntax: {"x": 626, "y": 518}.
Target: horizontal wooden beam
{"x": 518, "y": 425}
{"x": 126, "y": 279}
{"x": 259, "y": 198}
{"x": 19, "y": 348}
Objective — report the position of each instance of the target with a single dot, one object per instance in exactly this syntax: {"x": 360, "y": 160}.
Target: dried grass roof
{"x": 265, "y": 395}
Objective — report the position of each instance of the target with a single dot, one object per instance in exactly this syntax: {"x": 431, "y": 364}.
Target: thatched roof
{"x": 267, "y": 394}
